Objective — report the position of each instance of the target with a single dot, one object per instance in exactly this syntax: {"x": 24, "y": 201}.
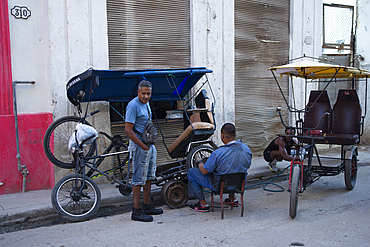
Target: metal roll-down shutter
{"x": 261, "y": 39}
{"x": 148, "y": 34}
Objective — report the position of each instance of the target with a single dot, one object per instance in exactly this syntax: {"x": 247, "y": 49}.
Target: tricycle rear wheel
{"x": 197, "y": 155}
{"x": 174, "y": 193}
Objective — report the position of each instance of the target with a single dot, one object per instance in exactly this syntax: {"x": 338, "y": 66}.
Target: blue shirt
{"x": 233, "y": 157}
{"x": 137, "y": 113}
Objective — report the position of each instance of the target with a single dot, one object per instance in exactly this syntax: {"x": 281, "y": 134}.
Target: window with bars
{"x": 337, "y": 29}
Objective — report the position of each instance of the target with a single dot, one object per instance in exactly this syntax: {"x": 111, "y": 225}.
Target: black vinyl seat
{"x": 318, "y": 104}
{"x": 346, "y": 120}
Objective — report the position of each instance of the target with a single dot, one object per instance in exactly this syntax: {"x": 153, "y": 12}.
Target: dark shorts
{"x": 266, "y": 156}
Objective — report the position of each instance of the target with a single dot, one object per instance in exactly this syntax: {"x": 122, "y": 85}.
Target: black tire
{"x": 197, "y": 155}
{"x": 174, "y": 193}
{"x": 58, "y": 134}
{"x": 350, "y": 172}
{"x": 294, "y": 190}
{"x": 72, "y": 206}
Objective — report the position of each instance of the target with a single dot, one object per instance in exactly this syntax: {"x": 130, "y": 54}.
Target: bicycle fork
{"x": 76, "y": 191}
{"x": 300, "y": 163}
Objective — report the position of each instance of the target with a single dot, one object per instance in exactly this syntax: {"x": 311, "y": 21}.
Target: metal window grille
{"x": 338, "y": 26}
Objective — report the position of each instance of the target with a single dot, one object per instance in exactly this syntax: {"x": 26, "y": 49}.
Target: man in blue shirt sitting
{"x": 233, "y": 157}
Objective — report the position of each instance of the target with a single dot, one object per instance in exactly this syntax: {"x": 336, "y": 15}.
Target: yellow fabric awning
{"x": 315, "y": 70}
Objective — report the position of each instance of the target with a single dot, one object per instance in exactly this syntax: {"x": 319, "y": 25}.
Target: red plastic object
{"x": 315, "y": 132}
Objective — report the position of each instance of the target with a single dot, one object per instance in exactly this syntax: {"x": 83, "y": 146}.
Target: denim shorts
{"x": 143, "y": 164}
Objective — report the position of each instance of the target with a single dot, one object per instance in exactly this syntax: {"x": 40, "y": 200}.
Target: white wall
{"x": 29, "y": 40}
{"x": 59, "y": 40}
{"x": 212, "y": 24}
{"x": 363, "y": 37}
{"x": 78, "y": 41}
{"x": 305, "y": 38}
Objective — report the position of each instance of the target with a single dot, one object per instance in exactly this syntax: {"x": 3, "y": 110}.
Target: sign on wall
{"x": 20, "y": 12}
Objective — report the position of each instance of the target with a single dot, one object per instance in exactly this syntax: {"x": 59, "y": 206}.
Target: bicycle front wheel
{"x": 56, "y": 142}
{"x": 72, "y": 204}
{"x": 294, "y": 190}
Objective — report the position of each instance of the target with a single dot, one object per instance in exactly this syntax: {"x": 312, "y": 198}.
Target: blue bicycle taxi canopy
{"x": 121, "y": 85}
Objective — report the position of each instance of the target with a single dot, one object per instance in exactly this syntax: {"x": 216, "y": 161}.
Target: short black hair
{"x": 228, "y": 129}
{"x": 289, "y": 128}
{"x": 144, "y": 83}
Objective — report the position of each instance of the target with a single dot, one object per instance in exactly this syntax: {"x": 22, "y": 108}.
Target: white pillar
{"x": 305, "y": 39}
{"x": 363, "y": 56}
{"x": 212, "y": 26}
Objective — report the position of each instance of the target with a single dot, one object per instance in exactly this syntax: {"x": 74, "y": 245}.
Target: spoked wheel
{"x": 197, "y": 155}
{"x": 350, "y": 172}
{"x": 71, "y": 204}
{"x": 56, "y": 142}
{"x": 294, "y": 190}
{"x": 174, "y": 193}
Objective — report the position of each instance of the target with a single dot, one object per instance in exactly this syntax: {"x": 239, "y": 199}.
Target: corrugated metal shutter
{"x": 146, "y": 34}
{"x": 261, "y": 39}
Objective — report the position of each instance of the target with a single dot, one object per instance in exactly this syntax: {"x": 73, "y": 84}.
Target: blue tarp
{"x": 121, "y": 85}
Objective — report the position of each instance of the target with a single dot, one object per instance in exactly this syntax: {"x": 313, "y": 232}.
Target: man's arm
{"x": 129, "y": 131}
{"x": 282, "y": 150}
{"x": 202, "y": 169}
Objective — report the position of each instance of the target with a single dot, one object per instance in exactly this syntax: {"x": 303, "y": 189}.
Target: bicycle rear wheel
{"x": 71, "y": 204}
{"x": 56, "y": 142}
{"x": 294, "y": 190}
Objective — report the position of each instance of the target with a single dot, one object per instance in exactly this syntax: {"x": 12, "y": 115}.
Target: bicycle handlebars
{"x": 278, "y": 109}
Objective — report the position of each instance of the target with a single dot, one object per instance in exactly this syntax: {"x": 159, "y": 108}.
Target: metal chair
{"x": 230, "y": 183}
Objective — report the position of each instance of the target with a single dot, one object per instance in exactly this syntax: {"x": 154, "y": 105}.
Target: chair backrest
{"x": 202, "y": 101}
{"x": 346, "y": 113}
{"x": 233, "y": 183}
{"x": 317, "y": 109}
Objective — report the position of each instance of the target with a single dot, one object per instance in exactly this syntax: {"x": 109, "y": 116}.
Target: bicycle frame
{"x": 83, "y": 162}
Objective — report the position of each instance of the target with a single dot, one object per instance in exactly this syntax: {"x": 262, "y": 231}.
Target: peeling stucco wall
{"x": 78, "y": 41}
{"x": 212, "y": 44}
{"x": 305, "y": 39}
{"x": 29, "y": 40}
{"x": 363, "y": 56}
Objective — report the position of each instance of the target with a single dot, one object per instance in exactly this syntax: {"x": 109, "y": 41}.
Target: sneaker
{"x": 272, "y": 166}
{"x": 227, "y": 200}
{"x": 138, "y": 215}
{"x": 150, "y": 210}
{"x": 199, "y": 208}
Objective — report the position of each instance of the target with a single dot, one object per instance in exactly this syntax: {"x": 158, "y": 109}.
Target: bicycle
{"x": 76, "y": 196}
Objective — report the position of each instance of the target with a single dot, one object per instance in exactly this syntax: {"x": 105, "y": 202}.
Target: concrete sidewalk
{"x": 36, "y": 206}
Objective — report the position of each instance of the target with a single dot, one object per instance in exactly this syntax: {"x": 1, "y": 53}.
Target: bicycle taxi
{"x": 77, "y": 197}
{"x": 318, "y": 123}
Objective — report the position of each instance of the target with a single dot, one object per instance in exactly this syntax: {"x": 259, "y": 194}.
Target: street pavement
{"x": 33, "y": 206}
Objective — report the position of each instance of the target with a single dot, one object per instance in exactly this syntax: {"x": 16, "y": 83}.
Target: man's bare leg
{"x": 136, "y": 189}
{"x": 146, "y": 191}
